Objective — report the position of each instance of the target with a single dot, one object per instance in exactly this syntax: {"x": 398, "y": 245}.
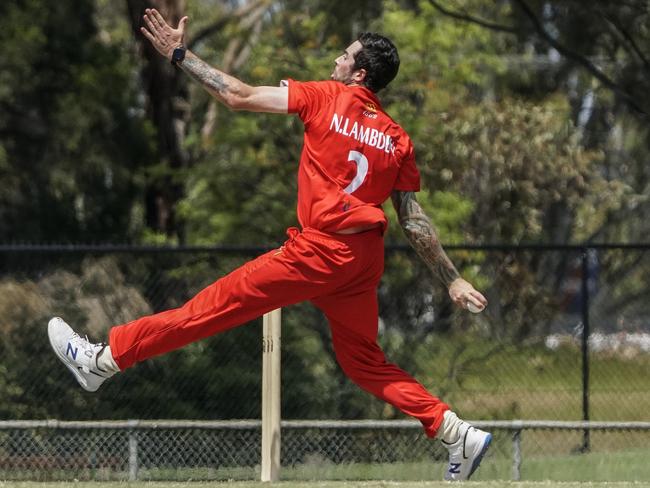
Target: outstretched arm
{"x": 232, "y": 92}
{"x": 423, "y": 237}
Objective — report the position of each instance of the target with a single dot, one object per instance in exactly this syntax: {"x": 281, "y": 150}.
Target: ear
{"x": 359, "y": 76}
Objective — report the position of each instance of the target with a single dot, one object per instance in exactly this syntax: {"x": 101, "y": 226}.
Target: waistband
{"x": 293, "y": 232}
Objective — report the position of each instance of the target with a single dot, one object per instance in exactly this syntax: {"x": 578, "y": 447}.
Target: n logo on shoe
{"x": 71, "y": 352}
{"x": 454, "y": 468}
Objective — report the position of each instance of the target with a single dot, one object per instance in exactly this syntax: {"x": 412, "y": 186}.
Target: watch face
{"x": 178, "y": 55}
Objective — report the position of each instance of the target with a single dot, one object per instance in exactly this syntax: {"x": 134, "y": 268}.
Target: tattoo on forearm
{"x": 211, "y": 78}
{"x": 421, "y": 234}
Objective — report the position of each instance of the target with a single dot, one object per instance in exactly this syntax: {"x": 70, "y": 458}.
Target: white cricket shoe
{"x": 466, "y": 453}
{"x": 77, "y": 353}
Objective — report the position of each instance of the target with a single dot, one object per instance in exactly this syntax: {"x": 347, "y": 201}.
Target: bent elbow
{"x": 238, "y": 98}
{"x": 232, "y": 101}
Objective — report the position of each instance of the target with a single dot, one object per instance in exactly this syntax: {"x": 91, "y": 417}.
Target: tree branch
{"x": 220, "y": 23}
{"x": 235, "y": 55}
{"x": 473, "y": 20}
{"x": 568, "y": 53}
{"x": 565, "y": 51}
{"x": 627, "y": 37}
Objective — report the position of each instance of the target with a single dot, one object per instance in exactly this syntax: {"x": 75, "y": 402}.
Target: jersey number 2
{"x": 362, "y": 170}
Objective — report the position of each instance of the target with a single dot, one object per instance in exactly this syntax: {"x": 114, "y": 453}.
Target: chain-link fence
{"x": 566, "y": 337}
{"x": 230, "y": 450}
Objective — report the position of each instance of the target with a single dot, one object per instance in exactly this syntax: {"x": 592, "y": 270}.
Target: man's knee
{"x": 359, "y": 362}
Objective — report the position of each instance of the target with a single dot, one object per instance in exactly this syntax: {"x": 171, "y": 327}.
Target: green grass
{"x": 618, "y": 468}
{"x": 600, "y": 466}
{"x": 532, "y": 382}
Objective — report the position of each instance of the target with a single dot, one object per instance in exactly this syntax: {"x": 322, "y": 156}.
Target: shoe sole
{"x": 479, "y": 458}
{"x": 80, "y": 379}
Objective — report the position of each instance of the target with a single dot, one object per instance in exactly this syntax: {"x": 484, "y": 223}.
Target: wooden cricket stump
{"x": 271, "y": 396}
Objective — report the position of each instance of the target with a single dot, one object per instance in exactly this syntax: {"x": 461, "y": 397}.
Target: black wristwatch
{"x": 178, "y": 55}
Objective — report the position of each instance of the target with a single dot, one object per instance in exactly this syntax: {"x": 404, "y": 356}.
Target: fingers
{"x": 158, "y": 18}
{"x": 471, "y": 302}
{"x": 156, "y": 22}
{"x": 158, "y": 30}
{"x": 147, "y": 34}
{"x": 474, "y": 301}
{"x": 467, "y": 297}
{"x": 153, "y": 28}
{"x": 477, "y": 298}
{"x": 474, "y": 306}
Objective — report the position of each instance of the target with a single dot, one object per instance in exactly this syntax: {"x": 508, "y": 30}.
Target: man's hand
{"x": 230, "y": 91}
{"x": 462, "y": 292}
{"x": 162, "y": 36}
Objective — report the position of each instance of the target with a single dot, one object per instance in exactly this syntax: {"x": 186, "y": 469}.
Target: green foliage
{"x": 68, "y": 131}
{"x": 244, "y": 192}
{"x": 525, "y": 169}
{"x": 443, "y": 62}
{"x": 94, "y": 294}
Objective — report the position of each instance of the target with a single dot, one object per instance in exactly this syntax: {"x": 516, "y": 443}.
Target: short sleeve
{"x": 408, "y": 178}
{"x": 308, "y": 98}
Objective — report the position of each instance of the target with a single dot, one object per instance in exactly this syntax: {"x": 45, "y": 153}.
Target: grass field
{"x": 629, "y": 466}
{"x": 615, "y": 469}
{"x": 532, "y": 382}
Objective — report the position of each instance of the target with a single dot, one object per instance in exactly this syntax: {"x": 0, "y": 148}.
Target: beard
{"x": 345, "y": 78}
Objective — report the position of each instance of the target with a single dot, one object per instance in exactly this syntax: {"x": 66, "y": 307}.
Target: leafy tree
{"x": 70, "y": 140}
{"x": 595, "y": 55}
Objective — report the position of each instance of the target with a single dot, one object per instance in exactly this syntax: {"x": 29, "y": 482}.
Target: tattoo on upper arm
{"x": 422, "y": 235}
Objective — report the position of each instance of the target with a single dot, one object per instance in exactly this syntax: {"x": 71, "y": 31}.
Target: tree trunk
{"x": 169, "y": 109}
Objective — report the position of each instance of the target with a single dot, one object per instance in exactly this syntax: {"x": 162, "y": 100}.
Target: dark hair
{"x": 379, "y": 58}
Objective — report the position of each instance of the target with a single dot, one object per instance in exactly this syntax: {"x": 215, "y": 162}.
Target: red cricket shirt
{"x": 354, "y": 155}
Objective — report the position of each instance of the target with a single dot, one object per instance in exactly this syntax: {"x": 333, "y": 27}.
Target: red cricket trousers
{"x": 338, "y": 273}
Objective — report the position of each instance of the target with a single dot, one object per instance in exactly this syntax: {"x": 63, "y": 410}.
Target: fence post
{"x": 585, "y": 346}
{"x": 133, "y": 451}
{"x": 271, "y": 396}
{"x": 516, "y": 455}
